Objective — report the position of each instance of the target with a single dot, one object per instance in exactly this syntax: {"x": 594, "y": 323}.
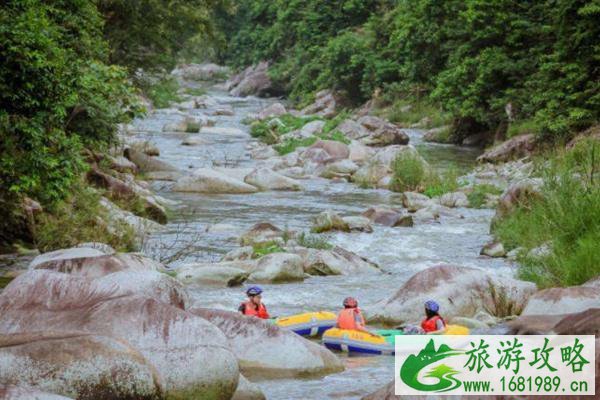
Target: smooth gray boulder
{"x": 206, "y": 180}
{"x": 265, "y": 350}
{"x": 278, "y": 268}
{"x": 266, "y": 179}
{"x": 460, "y": 291}
{"x": 78, "y": 365}
{"x": 569, "y": 300}
{"x": 218, "y": 274}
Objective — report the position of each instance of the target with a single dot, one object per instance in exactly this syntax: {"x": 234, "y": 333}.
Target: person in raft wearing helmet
{"x": 254, "y": 306}
{"x": 351, "y": 317}
{"x": 432, "y": 322}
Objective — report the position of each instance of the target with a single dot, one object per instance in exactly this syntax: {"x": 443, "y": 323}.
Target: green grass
{"x": 195, "y": 91}
{"x": 163, "y": 93}
{"x": 478, "y": 196}
{"x": 336, "y": 136}
{"x": 313, "y": 242}
{"x": 269, "y": 132}
{"x": 80, "y": 219}
{"x": 403, "y": 112}
{"x": 289, "y": 145}
{"x": 332, "y": 123}
{"x": 409, "y": 173}
{"x": 439, "y": 184}
{"x": 522, "y": 127}
{"x": 262, "y": 249}
{"x": 567, "y": 215}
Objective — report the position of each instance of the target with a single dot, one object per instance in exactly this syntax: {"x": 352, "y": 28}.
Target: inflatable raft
{"x": 308, "y": 324}
{"x": 382, "y": 342}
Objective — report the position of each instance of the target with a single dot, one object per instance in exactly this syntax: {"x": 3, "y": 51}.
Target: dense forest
{"x": 71, "y": 69}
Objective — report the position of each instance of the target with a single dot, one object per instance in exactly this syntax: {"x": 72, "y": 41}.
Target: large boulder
{"x": 78, "y": 365}
{"x": 255, "y": 81}
{"x": 454, "y": 199}
{"x": 206, "y": 180}
{"x": 219, "y": 274}
{"x": 359, "y": 153}
{"x": 312, "y": 128}
{"x": 336, "y": 150}
{"x": 340, "y": 168}
{"x": 493, "y": 249}
{"x": 261, "y": 232}
{"x": 247, "y": 390}
{"x": 388, "y": 155}
{"x": 358, "y": 224}
{"x": 352, "y": 129}
{"x": 147, "y": 163}
{"x": 190, "y": 355}
{"x": 92, "y": 263}
{"x": 415, "y": 201}
{"x": 325, "y": 105}
{"x": 274, "y": 110}
{"x": 277, "y": 268}
{"x": 265, "y": 350}
{"x": 382, "y": 132}
{"x": 387, "y": 216}
{"x": 370, "y": 174}
{"x": 563, "y": 300}
{"x": 329, "y": 221}
{"x": 516, "y": 147}
{"x": 334, "y": 262}
{"x": 460, "y": 291}
{"x": 266, "y": 179}
{"x": 518, "y": 194}
{"x": 14, "y": 392}
{"x": 119, "y": 217}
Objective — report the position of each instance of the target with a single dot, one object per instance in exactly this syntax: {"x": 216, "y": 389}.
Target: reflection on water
{"x": 399, "y": 251}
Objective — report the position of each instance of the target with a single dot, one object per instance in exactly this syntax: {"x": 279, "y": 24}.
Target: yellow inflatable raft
{"x": 308, "y": 324}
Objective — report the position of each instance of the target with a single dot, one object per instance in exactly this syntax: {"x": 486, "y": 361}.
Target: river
{"x": 399, "y": 251}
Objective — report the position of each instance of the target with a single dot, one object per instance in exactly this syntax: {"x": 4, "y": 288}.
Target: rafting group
{"x": 347, "y": 330}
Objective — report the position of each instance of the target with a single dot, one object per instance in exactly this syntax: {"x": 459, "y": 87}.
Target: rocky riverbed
{"x": 312, "y": 227}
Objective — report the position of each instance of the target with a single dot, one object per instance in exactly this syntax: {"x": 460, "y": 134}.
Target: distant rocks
{"x": 517, "y": 147}
{"x": 254, "y": 80}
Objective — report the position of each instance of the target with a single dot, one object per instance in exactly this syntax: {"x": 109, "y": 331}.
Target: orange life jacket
{"x": 430, "y": 325}
{"x": 347, "y": 318}
{"x": 251, "y": 309}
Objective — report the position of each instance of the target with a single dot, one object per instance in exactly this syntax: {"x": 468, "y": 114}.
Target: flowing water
{"x": 399, "y": 251}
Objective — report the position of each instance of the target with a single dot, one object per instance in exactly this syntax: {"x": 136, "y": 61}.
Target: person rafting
{"x": 351, "y": 317}
{"x": 433, "y": 322}
{"x": 254, "y": 306}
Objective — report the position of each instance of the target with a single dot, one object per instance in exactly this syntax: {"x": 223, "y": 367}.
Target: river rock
{"x": 339, "y": 168}
{"x": 222, "y": 130}
{"x": 516, "y": 147}
{"x": 92, "y": 263}
{"x": 172, "y": 176}
{"x": 278, "y": 268}
{"x": 315, "y": 155}
{"x": 77, "y": 365}
{"x": 493, "y": 249}
{"x": 325, "y": 105}
{"x": 261, "y": 232}
{"x": 156, "y": 285}
{"x": 146, "y": 163}
{"x": 336, "y": 150}
{"x": 383, "y": 133}
{"x": 241, "y": 253}
{"x": 120, "y": 217}
{"x": 255, "y": 81}
{"x": 370, "y": 174}
{"x": 359, "y": 153}
{"x": 312, "y": 128}
{"x": 224, "y": 110}
{"x": 358, "y": 224}
{"x": 584, "y": 323}
{"x": 415, "y": 201}
{"x": 329, "y": 221}
{"x": 103, "y": 247}
{"x": 190, "y": 355}
{"x": 388, "y": 155}
{"x": 266, "y": 179}
{"x": 122, "y": 164}
{"x": 145, "y": 147}
{"x": 438, "y": 135}
{"x": 274, "y": 110}
{"x": 265, "y": 350}
{"x": 219, "y": 274}
{"x": 334, "y": 262}
{"x": 454, "y": 199}
{"x": 563, "y": 300}
{"x": 13, "y": 392}
{"x": 460, "y": 291}
{"x": 206, "y": 180}
{"x": 247, "y": 390}
{"x": 193, "y": 141}
{"x": 352, "y": 129}
{"x": 518, "y": 194}
{"x": 387, "y": 216}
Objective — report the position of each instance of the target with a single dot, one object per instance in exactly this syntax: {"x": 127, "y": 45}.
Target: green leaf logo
{"x": 414, "y": 364}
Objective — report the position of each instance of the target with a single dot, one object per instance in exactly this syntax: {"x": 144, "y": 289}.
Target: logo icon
{"x": 414, "y": 364}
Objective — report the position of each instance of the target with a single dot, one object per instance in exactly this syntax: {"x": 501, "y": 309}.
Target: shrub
{"x": 567, "y": 215}
{"x": 195, "y": 91}
{"x": 409, "y": 173}
{"x": 163, "y": 92}
{"x": 439, "y": 184}
{"x": 290, "y": 145}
